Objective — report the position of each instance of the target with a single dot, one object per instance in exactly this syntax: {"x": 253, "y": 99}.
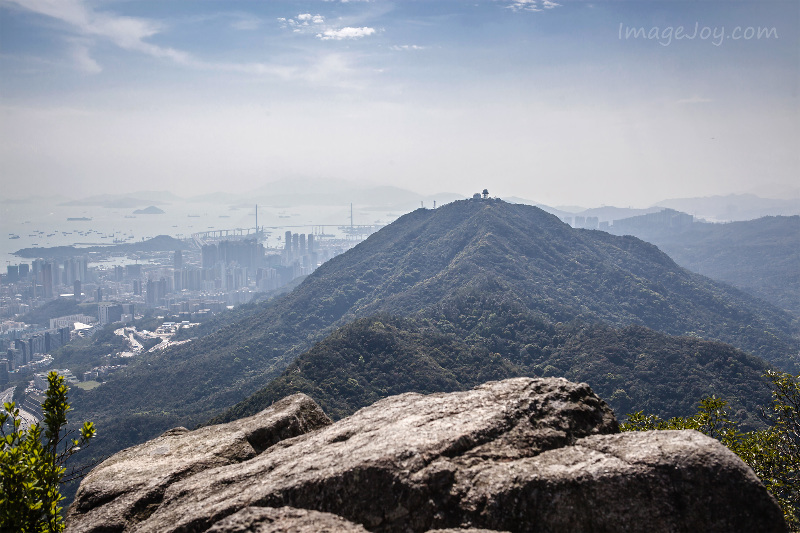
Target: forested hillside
{"x": 472, "y": 339}
{"x": 502, "y": 252}
{"x": 761, "y": 257}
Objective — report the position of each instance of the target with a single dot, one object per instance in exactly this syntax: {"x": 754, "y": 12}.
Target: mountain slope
{"x": 761, "y": 257}
{"x": 633, "y": 368}
{"x": 514, "y": 253}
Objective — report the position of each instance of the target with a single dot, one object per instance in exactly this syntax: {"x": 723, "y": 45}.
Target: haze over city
{"x": 562, "y": 103}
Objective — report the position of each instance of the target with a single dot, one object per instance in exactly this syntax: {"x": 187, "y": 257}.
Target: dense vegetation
{"x": 457, "y": 266}
{"x": 631, "y": 368}
{"x": 773, "y": 453}
{"x": 758, "y": 256}
{"x": 81, "y": 355}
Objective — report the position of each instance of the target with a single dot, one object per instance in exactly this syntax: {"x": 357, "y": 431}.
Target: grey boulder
{"x": 126, "y": 488}
{"x": 515, "y": 455}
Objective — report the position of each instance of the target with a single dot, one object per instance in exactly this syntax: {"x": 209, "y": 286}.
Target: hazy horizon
{"x": 562, "y": 103}
{"x": 243, "y": 197}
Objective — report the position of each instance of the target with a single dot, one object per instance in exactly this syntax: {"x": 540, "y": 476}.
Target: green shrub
{"x": 32, "y": 463}
{"x": 772, "y": 453}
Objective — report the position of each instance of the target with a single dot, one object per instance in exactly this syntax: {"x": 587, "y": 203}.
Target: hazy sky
{"x": 563, "y": 103}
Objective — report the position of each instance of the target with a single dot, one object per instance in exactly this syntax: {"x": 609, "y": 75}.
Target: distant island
{"x": 152, "y": 210}
{"x": 78, "y": 218}
{"x": 162, "y": 243}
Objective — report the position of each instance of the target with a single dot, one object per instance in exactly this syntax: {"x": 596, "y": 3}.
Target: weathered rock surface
{"x": 292, "y": 520}
{"x": 284, "y": 520}
{"x": 460, "y": 530}
{"x": 516, "y": 455}
{"x": 129, "y": 486}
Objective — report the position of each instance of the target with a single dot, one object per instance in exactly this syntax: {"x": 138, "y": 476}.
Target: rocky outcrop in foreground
{"x": 515, "y": 455}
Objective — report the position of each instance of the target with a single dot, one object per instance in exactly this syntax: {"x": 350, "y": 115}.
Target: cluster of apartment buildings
{"x": 186, "y": 284}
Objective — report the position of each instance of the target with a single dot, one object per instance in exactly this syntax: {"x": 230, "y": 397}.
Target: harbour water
{"x": 26, "y": 224}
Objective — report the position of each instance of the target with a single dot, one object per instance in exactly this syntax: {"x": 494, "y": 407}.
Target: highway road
{"x": 28, "y": 419}
{"x": 6, "y": 395}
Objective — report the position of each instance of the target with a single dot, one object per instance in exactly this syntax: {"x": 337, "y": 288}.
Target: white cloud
{"x": 81, "y": 59}
{"x": 306, "y": 23}
{"x": 524, "y": 5}
{"x": 399, "y": 47}
{"x": 301, "y": 21}
{"x": 345, "y": 33}
{"x": 128, "y": 33}
{"x": 532, "y": 5}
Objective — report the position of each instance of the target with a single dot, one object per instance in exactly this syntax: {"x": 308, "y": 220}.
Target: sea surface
{"x": 42, "y": 224}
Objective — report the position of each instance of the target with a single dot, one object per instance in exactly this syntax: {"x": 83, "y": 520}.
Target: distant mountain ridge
{"x": 761, "y": 256}
{"x": 283, "y": 193}
{"x": 304, "y": 190}
{"x": 719, "y": 208}
{"x": 734, "y": 207}
{"x": 160, "y": 243}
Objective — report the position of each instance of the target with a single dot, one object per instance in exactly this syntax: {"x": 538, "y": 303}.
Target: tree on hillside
{"x": 32, "y": 463}
{"x": 772, "y": 453}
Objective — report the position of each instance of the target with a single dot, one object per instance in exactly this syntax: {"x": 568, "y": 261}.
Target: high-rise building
{"x": 22, "y": 350}
{"x": 156, "y": 291}
{"x": 150, "y": 294}
{"x": 108, "y": 313}
{"x": 83, "y": 268}
{"x": 13, "y": 273}
{"x": 133, "y": 271}
{"x": 248, "y": 253}
{"x": 4, "y": 368}
{"x": 177, "y": 260}
{"x": 76, "y": 289}
{"x": 47, "y": 279}
{"x": 209, "y": 255}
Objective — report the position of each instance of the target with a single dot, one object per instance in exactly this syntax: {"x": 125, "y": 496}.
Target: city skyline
{"x": 587, "y": 103}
